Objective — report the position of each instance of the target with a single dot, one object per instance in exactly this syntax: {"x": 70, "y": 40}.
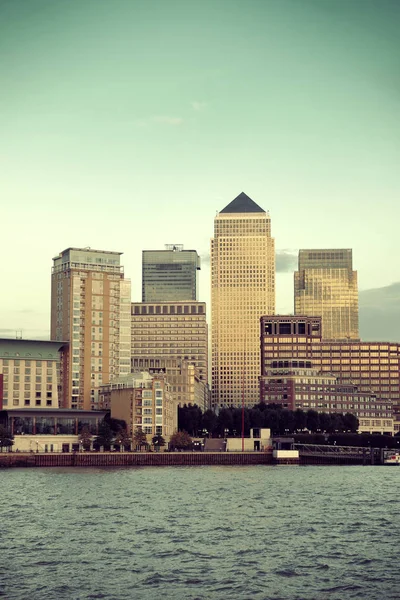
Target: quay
{"x": 132, "y": 459}
{"x": 308, "y": 455}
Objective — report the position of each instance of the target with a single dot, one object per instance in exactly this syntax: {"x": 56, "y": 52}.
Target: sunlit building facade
{"x": 325, "y": 285}
{"x": 374, "y": 367}
{"x": 33, "y": 373}
{"x": 90, "y": 308}
{"x": 296, "y": 384}
{"x": 242, "y": 289}
{"x": 171, "y": 331}
{"x": 170, "y": 275}
{"x": 144, "y": 401}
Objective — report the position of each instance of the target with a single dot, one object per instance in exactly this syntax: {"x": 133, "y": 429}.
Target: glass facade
{"x": 170, "y": 275}
{"x": 325, "y": 285}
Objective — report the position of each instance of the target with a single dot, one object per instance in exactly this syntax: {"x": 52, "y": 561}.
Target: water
{"x": 200, "y": 533}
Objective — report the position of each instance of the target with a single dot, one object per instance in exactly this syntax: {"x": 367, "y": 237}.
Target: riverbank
{"x": 137, "y": 459}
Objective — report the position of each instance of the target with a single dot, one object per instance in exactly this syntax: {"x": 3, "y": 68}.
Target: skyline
{"x": 127, "y": 127}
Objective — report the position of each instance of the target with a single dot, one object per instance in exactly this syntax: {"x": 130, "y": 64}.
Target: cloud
{"x": 198, "y": 106}
{"x": 205, "y": 259}
{"x": 159, "y": 119}
{"x": 285, "y": 261}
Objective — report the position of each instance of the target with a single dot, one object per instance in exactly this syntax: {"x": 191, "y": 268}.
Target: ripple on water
{"x": 199, "y": 534}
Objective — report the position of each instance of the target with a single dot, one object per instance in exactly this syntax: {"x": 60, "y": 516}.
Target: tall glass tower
{"x": 170, "y": 275}
{"x": 325, "y": 285}
{"x": 242, "y": 289}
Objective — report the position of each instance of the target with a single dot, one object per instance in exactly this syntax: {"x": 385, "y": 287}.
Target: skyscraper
{"x": 170, "y": 275}
{"x": 325, "y": 285}
{"x": 242, "y": 287}
{"x": 90, "y": 308}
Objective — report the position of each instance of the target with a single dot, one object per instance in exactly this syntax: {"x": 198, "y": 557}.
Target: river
{"x": 200, "y": 533}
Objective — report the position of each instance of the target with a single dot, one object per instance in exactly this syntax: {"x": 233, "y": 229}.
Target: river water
{"x": 206, "y": 533}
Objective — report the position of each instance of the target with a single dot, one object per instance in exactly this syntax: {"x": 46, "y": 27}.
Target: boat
{"x": 392, "y": 458}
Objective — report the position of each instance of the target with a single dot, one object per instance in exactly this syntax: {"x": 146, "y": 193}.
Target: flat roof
{"x": 30, "y": 349}
{"x": 87, "y": 249}
{"x": 54, "y": 412}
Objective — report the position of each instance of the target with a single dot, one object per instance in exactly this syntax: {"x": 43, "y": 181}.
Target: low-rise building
{"x": 34, "y": 373}
{"x": 184, "y": 378}
{"x": 371, "y": 366}
{"x": 144, "y": 401}
{"x": 49, "y": 429}
{"x": 297, "y": 384}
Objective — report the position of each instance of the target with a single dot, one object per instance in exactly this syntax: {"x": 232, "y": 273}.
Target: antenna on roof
{"x": 18, "y": 334}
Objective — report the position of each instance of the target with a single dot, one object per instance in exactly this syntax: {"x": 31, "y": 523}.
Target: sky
{"x": 127, "y": 125}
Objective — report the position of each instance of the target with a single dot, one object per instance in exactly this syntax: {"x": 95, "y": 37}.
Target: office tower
{"x": 33, "y": 372}
{"x": 242, "y": 288}
{"x": 170, "y": 275}
{"x": 371, "y": 366}
{"x": 171, "y": 330}
{"x": 325, "y": 285}
{"x": 90, "y": 308}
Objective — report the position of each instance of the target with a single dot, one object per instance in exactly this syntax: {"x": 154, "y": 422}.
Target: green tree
{"x": 286, "y": 421}
{"x": 180, "y": 440}
{"x": 271, "y": 420}
{"x": 300, "y": 419}
{"x": 115, "y": 424}
{"x": 139, "y": 438}
{"x": 123, "y": 439}
{"x": 224, "y": 421}
{"x": 158, "y": 441}
{"x": 312, "y": 420}
{"x": 105, "y": 437}
{"x": 85, "y": 438}
{"x": 237, "y": 415}
{"x": 325, "y": 422}
{"x": 256, "y": 418}
{"x": 350, "y": 422}
{"x": 6, "y": 439}
{"x": 209, "y": 422}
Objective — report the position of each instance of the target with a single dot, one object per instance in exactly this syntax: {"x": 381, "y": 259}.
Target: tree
{"x": 180, "y": 440}
{"x": 85, "y": 438}
{"x": 115, "y": 424}
{"x": 224, "y": 421}
{"x": 139, "y": 438}
{"x": 256, "y": 418}
{"x": 6, "y": 439}
{"x": 312, "y": 420}
{"x": 325, "y": 422}
{"x": 286, "y": 421}
{"x": 105, "y": 436}
{"x": 300, "y": 419}
{"x": 190, "y": 418}
{"x": 158, "y": 441}
{"x": 123, "y": 439}
{"x": 237, "y": 415}
{"x": 271, "y": 420}
{"x": 350, "y": 422}
{"x": 209, "y": 422}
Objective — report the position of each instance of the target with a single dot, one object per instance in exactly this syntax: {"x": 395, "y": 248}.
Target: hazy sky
{"x": 127, "y": 124}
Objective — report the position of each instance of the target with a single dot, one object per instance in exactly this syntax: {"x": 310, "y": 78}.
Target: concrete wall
{"x": 43, "y": 443}
{"x": 282, "y": 454}
{"x": 235, "y": 444}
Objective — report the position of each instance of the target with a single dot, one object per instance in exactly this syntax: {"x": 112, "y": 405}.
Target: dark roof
{"x": 242, "y": 204}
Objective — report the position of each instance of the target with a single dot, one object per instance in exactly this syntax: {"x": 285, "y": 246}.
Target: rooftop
{"x": 242, "y": 204}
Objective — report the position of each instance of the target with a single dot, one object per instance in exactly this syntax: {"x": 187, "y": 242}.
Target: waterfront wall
{"x": 136, "y": 459}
